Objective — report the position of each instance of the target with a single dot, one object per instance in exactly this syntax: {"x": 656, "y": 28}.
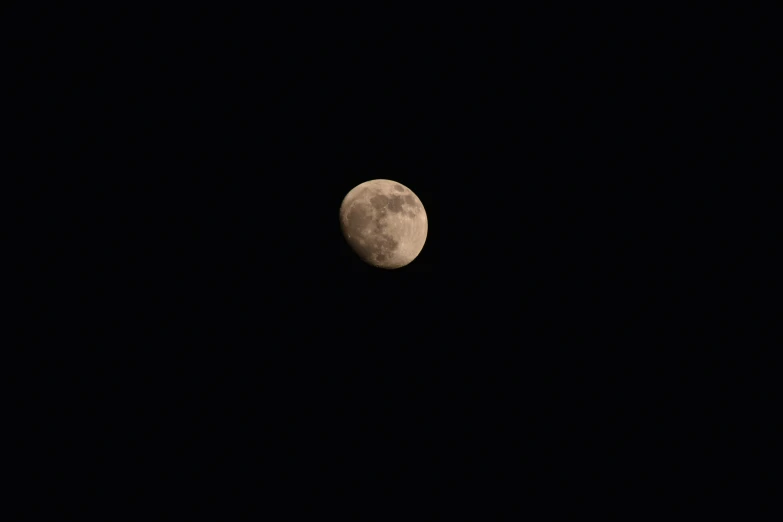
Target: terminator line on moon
{"x": 384, "y": 222}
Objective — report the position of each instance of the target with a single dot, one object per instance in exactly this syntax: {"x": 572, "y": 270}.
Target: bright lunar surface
{"x": 384, "y": 222}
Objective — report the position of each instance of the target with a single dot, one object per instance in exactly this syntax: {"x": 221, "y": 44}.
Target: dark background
{"x": 186, "y": 172}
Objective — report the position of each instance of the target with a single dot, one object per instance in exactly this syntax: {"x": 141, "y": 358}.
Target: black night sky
{"x": 212, "y": 301}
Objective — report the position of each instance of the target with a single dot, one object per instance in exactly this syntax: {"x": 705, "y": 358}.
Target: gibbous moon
{"x": 384, "y": 222}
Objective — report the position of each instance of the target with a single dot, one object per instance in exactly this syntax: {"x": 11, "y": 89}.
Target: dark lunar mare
{"x": 379, "y": 201}
{"x": 395, "y": 204}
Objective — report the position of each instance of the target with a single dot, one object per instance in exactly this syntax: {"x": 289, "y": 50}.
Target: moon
{"x": 384, "y": 222}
